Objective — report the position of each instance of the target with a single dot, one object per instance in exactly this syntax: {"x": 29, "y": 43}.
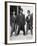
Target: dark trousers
{"x": 21, "y": 27}
{"x": 29, "y": 27}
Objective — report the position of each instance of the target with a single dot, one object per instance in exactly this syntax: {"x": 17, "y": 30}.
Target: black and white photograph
{"x": 20, "y": 26}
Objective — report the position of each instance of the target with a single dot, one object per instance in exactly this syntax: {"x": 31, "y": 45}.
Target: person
{"x": 29, "y": 20}
{"x": 20, "y": 20}
{"x": 12, "y": 23}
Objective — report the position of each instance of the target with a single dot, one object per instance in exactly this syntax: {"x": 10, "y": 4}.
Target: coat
{"x": 20, "y": 20}
{"x": 12, "y": 20}
{"x": 29, "y": 21}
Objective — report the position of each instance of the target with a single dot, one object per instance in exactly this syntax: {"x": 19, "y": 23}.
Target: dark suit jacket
{"x": 30, "y": 21}
{"x": 12, "y": 20}
{"x": 20, "y": 20}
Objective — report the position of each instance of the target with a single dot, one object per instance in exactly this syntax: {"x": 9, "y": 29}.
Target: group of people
{"x": 18, "y": 22}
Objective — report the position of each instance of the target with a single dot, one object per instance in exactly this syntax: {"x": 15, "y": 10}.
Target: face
{"x": 21, "y": 12}
{"x": 13, "y": 12}
{"x": 28, "y": 13}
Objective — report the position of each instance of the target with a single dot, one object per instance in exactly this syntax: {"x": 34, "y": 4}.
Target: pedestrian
{"x": 21, "y": 22}
{"x": 29, "y": 20}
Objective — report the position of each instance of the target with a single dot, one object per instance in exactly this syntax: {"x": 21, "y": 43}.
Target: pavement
{"x": 21, "y": 36}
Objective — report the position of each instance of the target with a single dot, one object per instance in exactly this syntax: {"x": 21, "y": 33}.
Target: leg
{"x": 27, "y": 29}
{"x": 31, "y": 31}
{"x": 12, "y": 30}
{"x": 15, "y": 29}
{"x": 23, "y": 29}
{"x": 18, "y": 30}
